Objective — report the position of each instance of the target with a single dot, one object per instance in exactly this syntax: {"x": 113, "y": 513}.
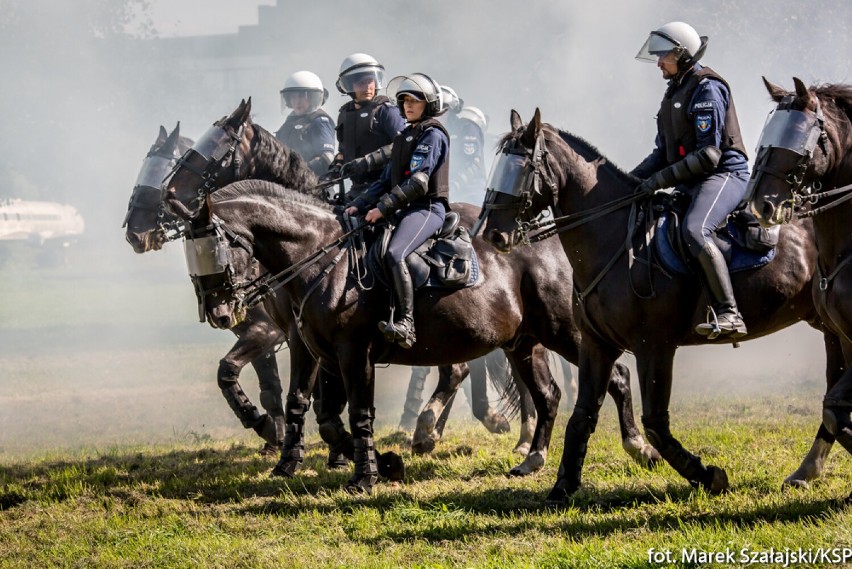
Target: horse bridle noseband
{"x": 219, "y": 148}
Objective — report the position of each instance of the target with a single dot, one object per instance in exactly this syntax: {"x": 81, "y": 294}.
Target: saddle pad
{"x": 741, "y": 259}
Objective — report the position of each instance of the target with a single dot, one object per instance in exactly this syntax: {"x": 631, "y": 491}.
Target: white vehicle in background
{"x": 51, "y": 227}
{"x": 37, "y": 222}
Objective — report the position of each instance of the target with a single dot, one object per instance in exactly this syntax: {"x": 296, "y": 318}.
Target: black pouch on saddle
{"x": 753, "y": 236}
{"x": 451, "y": 258}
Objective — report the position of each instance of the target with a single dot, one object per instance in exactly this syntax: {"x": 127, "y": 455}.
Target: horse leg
{"x": 414, "y": 397}
{"x": 359, "y": 380}
{"x": 631, "y": 439}
{"x": 529, "y": 361}
{"x": 256, "y": 336}
{"x": 570, "y": 382}
{"x": 595, "y": 364}
{"x": 813, "y": 464}
{"x": 493, "y": 366}
{"x": 837, "y": 404}
{"x": 445, "y": 414}
{"x": 528, "y": 418}
{"x": 655, "y": 376}
{"x": 426, "y": 434}
{"x": 329, "y": 406}
{"x": 303, "y": 376}
{"x": 266, "y": 367}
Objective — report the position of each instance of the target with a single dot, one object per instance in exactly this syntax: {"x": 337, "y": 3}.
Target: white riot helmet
{"x": 357, "y": 67}
{"x": 679, "y": 37}
{"x": 476, "y": 116}
{"x": 303, "y": 82}
{"x": 451, "y": 100}
{"x": 421, "y": 87}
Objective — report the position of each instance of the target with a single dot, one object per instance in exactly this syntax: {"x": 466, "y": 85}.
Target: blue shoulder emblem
{"x": 703, "y": 122}
{"x": 416, "y": 162}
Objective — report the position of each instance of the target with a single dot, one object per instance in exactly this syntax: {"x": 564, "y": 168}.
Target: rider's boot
{"x": 724, "y": 319}
{"x": 401, "y": 330}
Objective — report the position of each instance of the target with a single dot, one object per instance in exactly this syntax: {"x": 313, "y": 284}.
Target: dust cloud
{"x": 107, "y": 343}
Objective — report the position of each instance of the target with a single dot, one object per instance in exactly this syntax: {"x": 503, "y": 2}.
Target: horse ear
{"x": 162, "y": 136}
{"x": 240, "y": 114}
{"x": 171, "y": 142}
{"x": 515, "y": 120}
{"x": 531, "y": 133}
{"x": 776, "y": 92}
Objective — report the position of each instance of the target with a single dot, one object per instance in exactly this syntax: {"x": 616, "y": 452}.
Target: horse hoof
{"x": 533, "y": 463}
{"x": 559, "y": 495}
{"x": 797, "y": 483}
{"x": 336, "y": 461}
{"x": 360, "y": 486}
{"x": 718, "y": 480}
{"x": 496, "y": 423}
{"x": 270, "y": 449}
{"x": 423, "y": 445}
{"x": 391, "y": 466}
{"x": 286, "y": 468}
{"x": 522, "y": 449}
{"x": 640, "y": 451}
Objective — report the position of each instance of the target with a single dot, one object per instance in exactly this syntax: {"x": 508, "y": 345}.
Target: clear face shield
{"x": 315, "y": 99}
{"x": 154, "y": 170}
{"x": 655, "y": 47}
{"x": 507, "y": 174}
{"x": 358, "y": 80}
{"x": 206, "y": 256}
{"x": 791, "y": 130}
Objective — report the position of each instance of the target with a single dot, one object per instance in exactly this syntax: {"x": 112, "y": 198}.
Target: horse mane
{"x": 264, "y": 189}
{"x": 836, "y": 102}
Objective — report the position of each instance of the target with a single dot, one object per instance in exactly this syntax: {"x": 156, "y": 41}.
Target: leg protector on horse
{"x": 401, "y": 328}
{"x": 726, "y": 319}
{"x": 414, "y": 398}
{"x": 366, "y": 470}
{"x": 687, "y": 465}
{"x": 293, "y": 445}
{"x": 239, "y": 402}
{"x": 339, "y": 441}
{"x": 837, "y": 416}
{"x": 580, "y": 427}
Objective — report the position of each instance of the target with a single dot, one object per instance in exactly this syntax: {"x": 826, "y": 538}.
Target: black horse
{"x": 235, "y": 148}
{"x": 149, "y": 226}
{"x": 625, "y": 305}
{"x": 804, "y": 169}
{"x": 519, "y": 304}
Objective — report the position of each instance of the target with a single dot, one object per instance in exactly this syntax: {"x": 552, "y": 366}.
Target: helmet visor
{"x": 315, "y": 98}
{"x": 654, "y": 47}
{"x": 358, "y": 80}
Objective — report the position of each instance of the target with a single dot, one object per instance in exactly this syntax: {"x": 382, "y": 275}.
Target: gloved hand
{"x": 648, "y": 186}
{"x": 355, "y": 168}
{"x": 333, "y": 172}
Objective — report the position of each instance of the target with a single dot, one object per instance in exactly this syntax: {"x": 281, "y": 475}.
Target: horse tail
{"x": 503, "y": 381}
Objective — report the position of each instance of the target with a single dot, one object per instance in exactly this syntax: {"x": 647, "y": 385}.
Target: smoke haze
{"x": 88, "y": 83}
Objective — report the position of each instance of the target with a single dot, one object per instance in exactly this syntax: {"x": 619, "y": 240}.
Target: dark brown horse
{"x": 149, "y": 226}
{"x": 246, "y": 150}
{"x": 519, "y": 304}
{"x": 804, "y": 169}
{"x": 625, "y": 306}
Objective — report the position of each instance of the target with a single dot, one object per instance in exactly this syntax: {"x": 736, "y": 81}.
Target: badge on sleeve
{"x": 416, "y": 161}
{"x": 703, "y": 122}
{"x": 469, "y": 148}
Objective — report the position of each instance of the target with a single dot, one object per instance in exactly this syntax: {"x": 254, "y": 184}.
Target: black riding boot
{"x": 401, "y": 330}
{"x": 725, "y": 319}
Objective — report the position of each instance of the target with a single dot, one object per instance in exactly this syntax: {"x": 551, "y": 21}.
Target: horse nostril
{"x": 224, "y": 321}
{"x": 767, "y": 211}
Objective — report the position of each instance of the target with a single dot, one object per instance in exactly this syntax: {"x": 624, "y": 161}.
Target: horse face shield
{"x": 509, "y": 175}
{"x": 210, "y": 266}
{"x": 147, "y": 197}
{"x": 784, "y": 152}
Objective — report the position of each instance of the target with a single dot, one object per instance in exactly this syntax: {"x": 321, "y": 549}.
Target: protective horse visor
{"x": 792, "y": 130}
{"x": 206, "y": 256}
{"x": 154, "y": 170}
{"x": 655, "y": 46}
{"x": 214, "y": 139}
{"x": 507, "y": 174}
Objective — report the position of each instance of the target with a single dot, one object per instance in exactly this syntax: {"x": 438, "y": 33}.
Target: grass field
{"x": 117, "y": 450}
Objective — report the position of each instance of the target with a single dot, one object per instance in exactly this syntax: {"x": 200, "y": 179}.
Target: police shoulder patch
{"x": 702, "y": 105}
{"x": 703, "y": 122}
{"x": 416, "y": 161}
{"x": 423, "y": 148}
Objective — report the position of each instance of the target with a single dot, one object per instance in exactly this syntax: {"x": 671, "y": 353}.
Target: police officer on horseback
{"x": 698, "y": 150}
{"x": 366, "y": 125}
{"x": 308, "y": 129}
{"x": 413, "y": 190}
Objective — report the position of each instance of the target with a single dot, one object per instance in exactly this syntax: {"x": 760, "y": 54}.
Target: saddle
{"x": 742, "y": 241}
{"x": 447, "y": 260}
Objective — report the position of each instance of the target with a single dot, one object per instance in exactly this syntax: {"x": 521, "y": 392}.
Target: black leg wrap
{"x": 292, "y": 452}
{"x": 580, "y": 427}
{"x": 686, "y": 464}
{"x": 339, "y": 442}
{"x": 366, "y": 470}
{"x": 239, "y": 403}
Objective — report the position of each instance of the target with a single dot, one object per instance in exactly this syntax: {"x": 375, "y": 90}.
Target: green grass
{"x": 211, "y": 503}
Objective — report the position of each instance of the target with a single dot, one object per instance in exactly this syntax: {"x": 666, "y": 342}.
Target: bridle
{"x": 219, "y": 150}
{"x": 147, "y": 192}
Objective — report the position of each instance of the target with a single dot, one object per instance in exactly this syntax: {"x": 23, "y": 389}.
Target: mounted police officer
{"x": 366, "y": 125}
{"x": 466, "y": 126}
{"x": 308, "y": 129}
{"x": 699, "y": 150}
{"x": 413, "y": 189}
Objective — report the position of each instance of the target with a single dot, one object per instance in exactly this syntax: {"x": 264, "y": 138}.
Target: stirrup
{"x": 724, "y": 324}
{"x": 400, "y": 332}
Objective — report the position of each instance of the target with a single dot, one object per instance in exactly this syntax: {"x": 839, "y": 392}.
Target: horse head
{"x": 793, "y": 154}
{"x": 520, "y": 185}
{"x": 215, "y": 160}
{"x": 146, "y": 221}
